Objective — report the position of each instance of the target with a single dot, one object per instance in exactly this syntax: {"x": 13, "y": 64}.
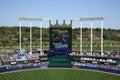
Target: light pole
{"x": 102, "y": 37}
{"x": 20, "y": 35}
{"x": 30, "y": 36}
{"x": 81, "y": 37}
{"x": 91, "y": 37}
{"x": 40, "y": 37}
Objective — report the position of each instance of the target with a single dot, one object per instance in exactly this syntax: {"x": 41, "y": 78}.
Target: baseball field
{"x": 58, "y": 74}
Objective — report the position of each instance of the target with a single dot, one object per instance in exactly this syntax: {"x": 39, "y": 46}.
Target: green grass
{"x": 58, "y": 74}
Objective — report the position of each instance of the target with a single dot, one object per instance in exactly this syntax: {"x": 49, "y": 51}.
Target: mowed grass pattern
{"x": 58, "y": 74}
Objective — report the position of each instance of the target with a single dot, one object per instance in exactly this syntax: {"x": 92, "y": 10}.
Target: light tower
{"x": 30, "y": 25}
{"x": 91, "y": 26}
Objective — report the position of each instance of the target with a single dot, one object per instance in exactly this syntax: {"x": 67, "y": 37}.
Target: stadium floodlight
{"x": 88, "y": 19}
{"x": 30, "y": 20}
{"x": 75, "y": 19}
{"x": 33, "y": 19}
{"x": 91, "y": 25}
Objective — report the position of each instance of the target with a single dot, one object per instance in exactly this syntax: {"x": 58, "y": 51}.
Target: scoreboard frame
{"x": 60, "y": 38}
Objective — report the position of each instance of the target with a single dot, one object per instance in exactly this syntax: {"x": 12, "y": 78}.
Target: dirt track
{"x": 60, "y": 68}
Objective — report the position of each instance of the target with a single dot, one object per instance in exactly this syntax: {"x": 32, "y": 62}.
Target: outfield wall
{"x": 100, "y": 69}
{"x": 20, "y": 68}
{"x": 80, "y": 67}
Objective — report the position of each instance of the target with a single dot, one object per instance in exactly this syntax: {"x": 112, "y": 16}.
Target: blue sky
{"x": 10, "y": 10}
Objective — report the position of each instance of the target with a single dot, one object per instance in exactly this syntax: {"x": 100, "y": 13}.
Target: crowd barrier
{"x": 100, "y": 69}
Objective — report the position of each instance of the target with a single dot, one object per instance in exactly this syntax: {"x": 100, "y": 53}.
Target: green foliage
{"x": 9, "y": 36}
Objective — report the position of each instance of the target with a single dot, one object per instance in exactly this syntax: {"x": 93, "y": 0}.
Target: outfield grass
{"x": 58, "y": 74}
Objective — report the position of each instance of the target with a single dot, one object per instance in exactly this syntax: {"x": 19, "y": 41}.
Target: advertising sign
{"x": 21, "y": 58}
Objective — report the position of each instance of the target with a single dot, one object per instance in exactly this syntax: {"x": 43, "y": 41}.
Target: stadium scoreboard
{"x": 60, "y": 39}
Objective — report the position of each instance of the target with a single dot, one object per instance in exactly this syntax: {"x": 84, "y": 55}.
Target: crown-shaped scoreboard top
{"x": 58, "y": 25}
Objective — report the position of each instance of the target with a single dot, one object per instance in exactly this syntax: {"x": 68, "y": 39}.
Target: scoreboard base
{"x": 62, "y": 61}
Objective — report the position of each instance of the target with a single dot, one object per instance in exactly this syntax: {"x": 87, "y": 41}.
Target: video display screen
{"x": 60, "y": 40}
